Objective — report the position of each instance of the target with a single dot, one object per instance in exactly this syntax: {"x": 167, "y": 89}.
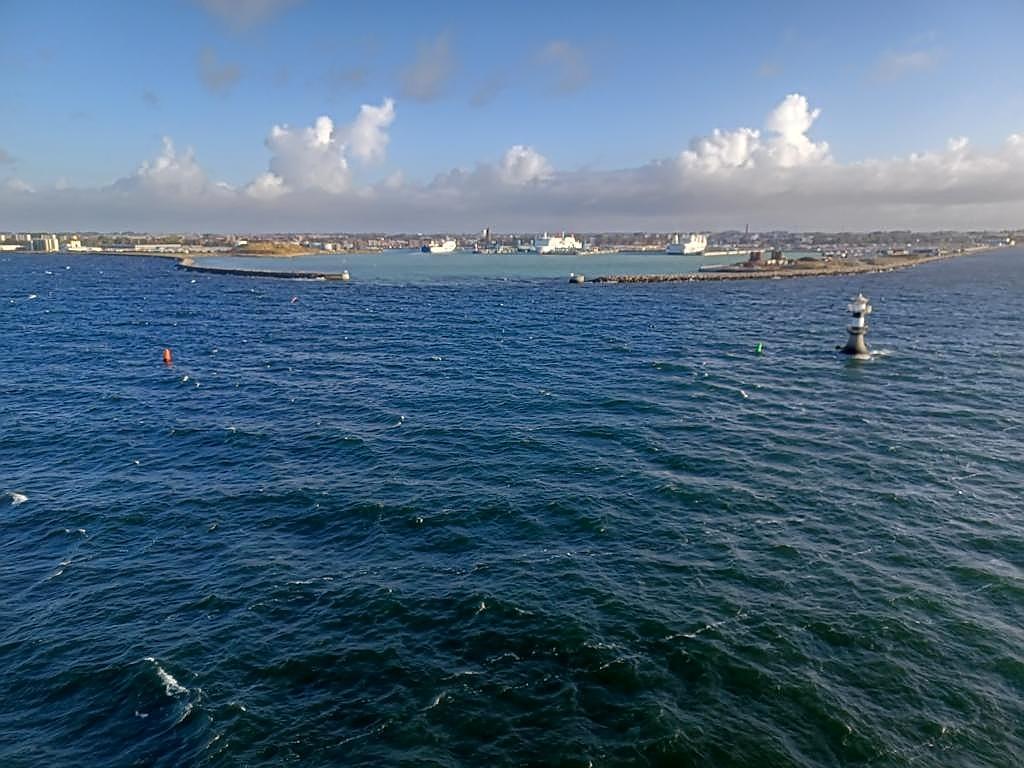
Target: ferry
{"x": 567, "y": 244}
{"x": 435, "y": 247}
{"x": 697, "y": 243}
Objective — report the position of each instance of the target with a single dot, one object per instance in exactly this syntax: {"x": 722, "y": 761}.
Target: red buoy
{"x": 168, "y": 358}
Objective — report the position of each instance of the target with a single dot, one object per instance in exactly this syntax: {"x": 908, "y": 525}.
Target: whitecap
{"x": 17, "y": 498}
{"x": 33, "y": 296}
{"x": 171, "y": 686}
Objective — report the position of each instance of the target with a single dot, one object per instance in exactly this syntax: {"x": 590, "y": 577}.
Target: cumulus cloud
{"x": 241, "y": 14}
{"x": 786, "y": 146}
{"x": 170, "y": 173}
{"x": 217, "y": 76}
{"x": 894, "y": 65}
{"x": 521, "y": 165}
{"x": 778, "y": 176}
{"x": 424, "y": 79}
{"x": 568, "y": 65}
{"x": 316, "y": 157}
{"x": 367, "y": 136}
{"x": 266, "y": 186}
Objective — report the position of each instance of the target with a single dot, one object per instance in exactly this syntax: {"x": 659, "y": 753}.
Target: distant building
{"x": 45, "y": 243}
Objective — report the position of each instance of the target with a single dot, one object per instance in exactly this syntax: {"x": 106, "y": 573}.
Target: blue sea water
{"x": 509, "y": 521}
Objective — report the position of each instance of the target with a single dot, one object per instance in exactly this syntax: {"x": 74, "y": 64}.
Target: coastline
{"x": 194, "y": 263}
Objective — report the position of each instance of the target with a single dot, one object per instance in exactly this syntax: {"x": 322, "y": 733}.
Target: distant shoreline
{"x": 835, "y": 268}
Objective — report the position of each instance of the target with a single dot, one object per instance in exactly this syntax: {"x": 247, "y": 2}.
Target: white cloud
{"x": 367, "y": 136}
{"x": 266, "y": 186}
{"x": 787, "y": 146}
{"x": 316, "y": 157}
{"x": 245, "y": 13}
{"x": 778, "y": 177}
{"x": 309, "y": 158}
{"x": 521, "y": 165}
{"x": 170, "y": 174}
{"x": 424, "y": 79}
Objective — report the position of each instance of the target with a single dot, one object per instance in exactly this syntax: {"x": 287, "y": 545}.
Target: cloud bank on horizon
{"x": 777, "y": 176}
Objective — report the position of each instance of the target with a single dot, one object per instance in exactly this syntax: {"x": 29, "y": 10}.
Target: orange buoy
{"x": 168, "y": 358}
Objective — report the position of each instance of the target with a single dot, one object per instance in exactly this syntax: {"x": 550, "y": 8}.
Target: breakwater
{"x": 794, "y": 269}
{"x": 191, "y": 266}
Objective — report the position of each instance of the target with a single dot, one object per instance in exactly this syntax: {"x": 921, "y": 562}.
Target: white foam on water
{"x": 171, "y": 686}
{"x": 437, "y": 700}
{"x": 745, "y": 395}
{"x": 482, "y": 607}
{"x": 33, "y": 296}
{"x": 17, "y": 498}
{"x": 141, "y": 714}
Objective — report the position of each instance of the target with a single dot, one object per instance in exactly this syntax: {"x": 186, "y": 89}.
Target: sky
{"x": 326, "y": 115}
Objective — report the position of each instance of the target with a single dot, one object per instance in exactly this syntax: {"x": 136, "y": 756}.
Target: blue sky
{"x": 91, "y": 89}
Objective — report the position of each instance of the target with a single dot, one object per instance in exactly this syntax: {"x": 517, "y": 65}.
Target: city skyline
{"x": 284, "y": 115}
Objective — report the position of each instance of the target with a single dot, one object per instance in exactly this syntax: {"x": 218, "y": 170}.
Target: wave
{"x": 171, "y": 686}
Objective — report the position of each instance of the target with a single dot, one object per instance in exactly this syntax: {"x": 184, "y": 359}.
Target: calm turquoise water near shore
{"x": 410, "y": 265}
{"x": 509, "y": 521}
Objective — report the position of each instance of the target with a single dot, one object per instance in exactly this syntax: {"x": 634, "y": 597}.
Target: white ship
{"x": 696, "y": 244}
{"x": 554, "y": 244}
{"x": 435, "y": 247}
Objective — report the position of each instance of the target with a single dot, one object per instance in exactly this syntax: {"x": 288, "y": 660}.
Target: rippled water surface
{"x": 509, "y": 522}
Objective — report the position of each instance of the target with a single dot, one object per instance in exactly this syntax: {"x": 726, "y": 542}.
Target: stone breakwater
{"x": 192, "y": 266}
{"x": 797, "y": 269}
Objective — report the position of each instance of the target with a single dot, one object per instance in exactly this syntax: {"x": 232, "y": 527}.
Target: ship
{"x": 696, "y": 244}
{"x": 435, "y": 247}
{"x": 555, "y": 244}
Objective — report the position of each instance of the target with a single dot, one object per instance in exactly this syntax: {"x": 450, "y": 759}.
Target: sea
{"x": 490, "y": 518}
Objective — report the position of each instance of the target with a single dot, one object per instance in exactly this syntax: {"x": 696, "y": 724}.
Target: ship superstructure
{"x": 697, "y": 243}
{"x": 554, "y": 244}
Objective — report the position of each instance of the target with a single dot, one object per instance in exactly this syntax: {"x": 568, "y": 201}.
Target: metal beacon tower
{"x": 860, "y": 309}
